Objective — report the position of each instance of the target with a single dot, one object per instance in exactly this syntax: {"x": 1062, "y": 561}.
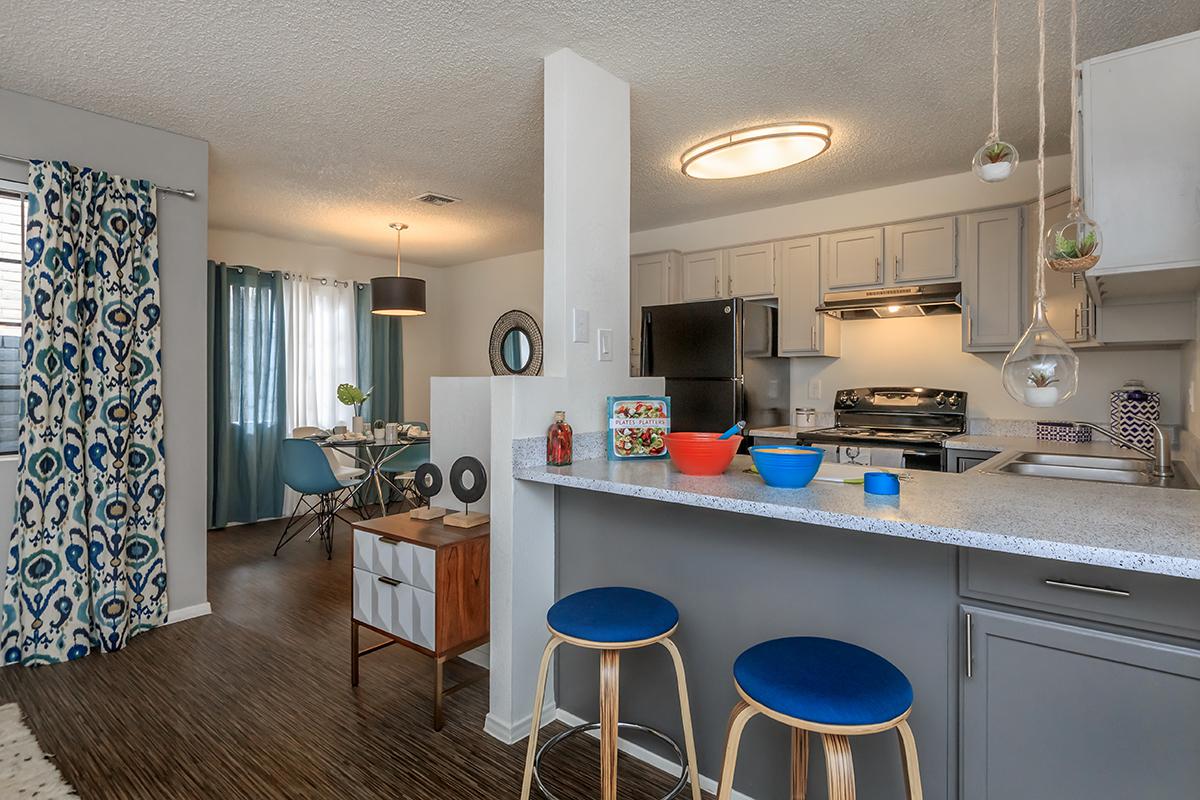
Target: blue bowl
{"x": 786, "y": 466}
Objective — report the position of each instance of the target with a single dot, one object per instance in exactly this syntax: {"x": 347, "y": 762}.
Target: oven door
{"x": 926, "y": 458}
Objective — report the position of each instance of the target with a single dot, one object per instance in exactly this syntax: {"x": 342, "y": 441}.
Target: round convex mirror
{"x": 515, "y": 350}
{"x": 515, "y": 347}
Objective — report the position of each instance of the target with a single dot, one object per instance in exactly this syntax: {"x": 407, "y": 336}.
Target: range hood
{"x": 894, "y": 301}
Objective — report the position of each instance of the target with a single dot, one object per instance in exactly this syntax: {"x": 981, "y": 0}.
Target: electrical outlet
{"x": 814, "y": 389}
{"x": 604, "y": 344}
{"x": 580, "y": 325}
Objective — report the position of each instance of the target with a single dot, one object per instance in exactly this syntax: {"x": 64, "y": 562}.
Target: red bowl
{"x": 701, "y": 453}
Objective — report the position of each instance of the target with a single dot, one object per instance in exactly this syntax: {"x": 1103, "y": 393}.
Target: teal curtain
{"x": 87, "y": 559}
{"x": 380, "y": 359}
{"x": 246, "y": 402}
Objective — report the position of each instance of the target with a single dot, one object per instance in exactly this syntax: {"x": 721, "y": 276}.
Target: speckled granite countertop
{"x": 1127, "y": 527}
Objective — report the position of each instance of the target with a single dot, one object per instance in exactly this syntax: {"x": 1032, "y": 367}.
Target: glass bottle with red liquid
{"x": 558, "y": 441}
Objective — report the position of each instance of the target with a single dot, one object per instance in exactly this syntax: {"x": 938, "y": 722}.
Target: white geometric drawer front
{"x": 394, "y": 559}
{"x": 364, "y": 550}
{"x": 424, "y": 574}
{"x": 364, "y": 596}
{"x": 424, "y": 632}
{"x": 394, "y": 607}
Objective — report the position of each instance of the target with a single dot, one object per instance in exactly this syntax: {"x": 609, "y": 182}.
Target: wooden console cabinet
{"x": 424, "y": 586}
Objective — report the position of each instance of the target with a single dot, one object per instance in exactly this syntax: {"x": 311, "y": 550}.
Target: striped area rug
{"x": 25, "y": 771}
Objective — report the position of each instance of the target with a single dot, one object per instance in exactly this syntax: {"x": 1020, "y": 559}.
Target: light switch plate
{"x": 579, "y": 324}
{"x": 814, "y": 389}
{"x": 604, "y": 344}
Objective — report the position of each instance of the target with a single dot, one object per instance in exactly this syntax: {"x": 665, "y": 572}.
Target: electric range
{"x": 915, "y": 420}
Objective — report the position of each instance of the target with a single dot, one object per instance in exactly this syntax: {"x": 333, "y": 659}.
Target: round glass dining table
{"x": 371, "y": 455}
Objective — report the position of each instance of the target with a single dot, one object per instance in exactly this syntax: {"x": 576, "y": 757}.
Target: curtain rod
{"x": 188, "y": 193}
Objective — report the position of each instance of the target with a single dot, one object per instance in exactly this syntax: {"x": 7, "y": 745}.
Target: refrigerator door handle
{"x": 647, "y": 346}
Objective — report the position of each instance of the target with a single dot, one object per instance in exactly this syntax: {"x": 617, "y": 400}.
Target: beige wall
{"x": 424, "y": 354}
{"x": 1190, "y": 380}
{"x": 476, "y": 295}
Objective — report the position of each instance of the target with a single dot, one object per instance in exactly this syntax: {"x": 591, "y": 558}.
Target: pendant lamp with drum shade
{"x": 397, "y": 296}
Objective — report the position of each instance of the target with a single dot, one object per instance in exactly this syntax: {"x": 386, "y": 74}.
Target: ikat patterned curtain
{"x": 87, "y": 562}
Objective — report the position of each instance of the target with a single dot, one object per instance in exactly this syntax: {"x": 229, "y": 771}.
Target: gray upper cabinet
{"x": 704, "y": 275}
{"x": 993, "y": 289}
{"x": 922, "y": 251}
{"x": 751, "y": 271}
{"x": 803, "y": 331}
{"x": 1052, "y": 711}
{"x": 654, "y": 279}
{"x": 854, "y": 258}
{"x": 1141, "y": 163}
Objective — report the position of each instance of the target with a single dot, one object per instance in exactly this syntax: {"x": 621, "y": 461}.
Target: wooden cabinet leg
{"x": 839, "y": 765}
{"x": 610, "y": 682}
{"x": 685, "y": 711}
{"x": 439, "y": 685}
{"x": 741, "y": 714}
{"x": 908, "y": 756}
{"x": 799, "y": 764}
{"x": 354, "y": 652}
{"x": 535, "y": 722}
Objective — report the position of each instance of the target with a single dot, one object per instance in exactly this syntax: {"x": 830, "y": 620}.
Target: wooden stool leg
{"x": 741, "y": 714}
{"x": 536, "y": 720}
{"x": 685, "y": 711}
{"x": 610, "y": 696}
{"x": 908, "y": 755}
{"x": 839, "y": 765}
{"x": 799, "y": 764}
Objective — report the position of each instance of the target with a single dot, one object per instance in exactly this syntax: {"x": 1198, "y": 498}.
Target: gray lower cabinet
{"x": 1054, "y": 711}
{"x": 963, "y": 460}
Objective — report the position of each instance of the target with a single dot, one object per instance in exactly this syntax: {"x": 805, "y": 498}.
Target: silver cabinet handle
{"x": 729, "y": 283}
{"x": 812, "y": 336}
{"x": 716, "y": 285}
{"x": 1078, "y": 331}
{"x": 970, "y": 654}
{"x": 878, "y": 269}
{"x": 896, "y": 263}
{"x": 1083, "y": 587}
{"x": 388, "y": 581}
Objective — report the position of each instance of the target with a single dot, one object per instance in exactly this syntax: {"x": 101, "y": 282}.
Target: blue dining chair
{"x": 399, "y": 471}
{"x": 306, "y": 470}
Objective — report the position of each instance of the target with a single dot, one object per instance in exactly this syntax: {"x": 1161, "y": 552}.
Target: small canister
{"x": 1127, "y": 404}
{"x": 885, "y": 483}
{"x": 805, "y": 418}
{"x": 391, "y": 433}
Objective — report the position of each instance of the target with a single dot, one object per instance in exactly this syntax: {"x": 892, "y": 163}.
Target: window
{"x": 12, "y": 227}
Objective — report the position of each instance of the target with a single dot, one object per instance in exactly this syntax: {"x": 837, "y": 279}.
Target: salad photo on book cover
{"x": 638, "y": 427}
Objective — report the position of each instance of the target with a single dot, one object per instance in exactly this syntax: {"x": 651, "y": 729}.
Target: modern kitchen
{"x": 902, "y": 471}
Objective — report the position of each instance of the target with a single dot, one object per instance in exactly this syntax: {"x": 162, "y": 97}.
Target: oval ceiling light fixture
{"x": 397, "y": 296}
{"x": 756, "y": 150}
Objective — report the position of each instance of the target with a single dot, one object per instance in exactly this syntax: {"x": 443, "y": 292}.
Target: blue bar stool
{"x": 828, "y": 687}
{"x": 611, "y": 619}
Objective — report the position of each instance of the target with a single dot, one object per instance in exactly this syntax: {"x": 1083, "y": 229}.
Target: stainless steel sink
{"x": 1100, "y": 469}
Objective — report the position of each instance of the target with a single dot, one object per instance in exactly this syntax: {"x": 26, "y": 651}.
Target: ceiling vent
{"x": 434, "y": 199}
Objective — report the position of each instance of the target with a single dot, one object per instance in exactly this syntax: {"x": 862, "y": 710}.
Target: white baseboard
{"x": 188, "y": 612}
{"x": 515, "y": 731}
{"x": 480, "y": 656}
{"x": 649, "y": 757}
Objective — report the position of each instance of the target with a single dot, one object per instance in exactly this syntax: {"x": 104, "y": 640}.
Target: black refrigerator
{"x": 719, "y": 361}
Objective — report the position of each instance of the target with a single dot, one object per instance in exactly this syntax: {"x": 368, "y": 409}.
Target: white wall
{"x": 37, "y": 128}
{"x": 461, "y": 420}
{"x": 1190, "y": 380}
{"x": 476, "y": 295}
{"x": 424, "y": 351}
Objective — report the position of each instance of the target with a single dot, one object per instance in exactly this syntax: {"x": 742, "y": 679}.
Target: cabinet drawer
{"x": 394, "y": 559}
{"x": 394, "y": 607}
{"x": 1139, "y": 600}
{"x": 424, "y": 619}
{"x": 424, "y": 568}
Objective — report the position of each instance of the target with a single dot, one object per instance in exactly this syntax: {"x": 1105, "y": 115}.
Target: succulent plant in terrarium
{"x": 1073, "y": 245}
{"x": 995, "y": 161}
{"x": 1041, "y": 377}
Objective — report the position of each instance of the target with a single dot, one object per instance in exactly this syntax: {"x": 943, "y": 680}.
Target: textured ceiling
{"x": 323, "y": 118}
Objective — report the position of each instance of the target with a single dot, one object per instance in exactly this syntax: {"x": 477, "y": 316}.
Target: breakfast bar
{"x": 1040, "y": 628}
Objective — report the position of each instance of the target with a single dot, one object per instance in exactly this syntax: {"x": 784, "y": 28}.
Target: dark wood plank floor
{"x": 255, "y": 701}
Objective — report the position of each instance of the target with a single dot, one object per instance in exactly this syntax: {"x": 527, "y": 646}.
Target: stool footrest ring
{"x": 558, "y": 739}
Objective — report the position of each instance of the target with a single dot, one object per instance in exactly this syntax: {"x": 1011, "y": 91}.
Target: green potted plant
{"x": 1040, "y": 391}
{"x": 1071, "y": 254}
{"x": 997, "y": 161}
{"x": 350, "y": 395}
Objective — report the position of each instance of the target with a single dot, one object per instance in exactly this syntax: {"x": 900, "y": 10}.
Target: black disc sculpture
{"x": 467, "y": 465}
{"x": 428, "y": 480}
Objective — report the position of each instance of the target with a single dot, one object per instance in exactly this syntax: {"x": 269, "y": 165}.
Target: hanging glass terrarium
{"x": 1042, "y": 370}
{"x": 997, "y": 159}
{"x": 1073, "y": 245}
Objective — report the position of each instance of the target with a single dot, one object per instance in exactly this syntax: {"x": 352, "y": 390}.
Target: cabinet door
{"x": 963, "y": 460}
{"x": 803, "y": 331}
{"x": 854, "y": 258}
{"x": 1068, "y": 306}
{"x": 924, "y": 251}
{"x": 424, "y": 568}
{"x": 993, "y": 289}
{"x": 1061, "y": 712}
{"x": 649, "y": 285}
{"x": 751, "y": 271}
{"x": 424, "y": 619}
{"x": 1140, "y": 164}
{"x": 703, "y": 275}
